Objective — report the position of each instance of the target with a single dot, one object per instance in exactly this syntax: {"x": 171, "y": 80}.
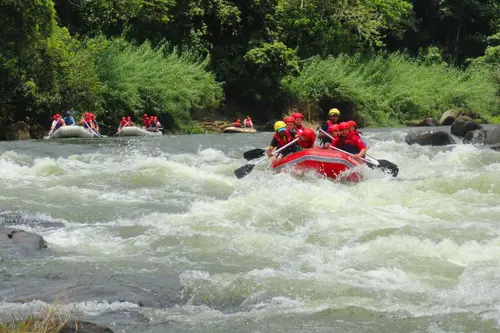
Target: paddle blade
{"x": 391, "y": 167}
{"x": 244, "y": 170}
{"x": 253, "y": 154}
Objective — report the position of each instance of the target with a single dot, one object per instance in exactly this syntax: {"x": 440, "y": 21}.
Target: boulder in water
{"x": 493, "y": 136}
{"x": 432, "y": 138}
{"x": 18, "y": 131}
{"x": 15, "y": 241}
{"x": 37, "y": 131}
{"x": 448, "y": 117}
{"x": 84, "y": 327}
{"x": 475, "y": 137}
{"x": 496, "y": 147}
{"x": 464, "y": 124}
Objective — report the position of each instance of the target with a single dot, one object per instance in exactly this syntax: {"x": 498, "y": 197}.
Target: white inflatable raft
{"x": 233, "y": 129}
{"x": 137, "y": 131}
{"x": 70, "y": 132}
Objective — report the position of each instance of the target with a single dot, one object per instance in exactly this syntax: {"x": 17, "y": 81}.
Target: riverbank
{"x": 216, "y": 122}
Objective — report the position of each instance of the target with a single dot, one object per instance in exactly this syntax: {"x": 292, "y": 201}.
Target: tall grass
{"x": 49, "y": 319}
{"x": 155, "y": 80}
{"x": 387, "y": 89}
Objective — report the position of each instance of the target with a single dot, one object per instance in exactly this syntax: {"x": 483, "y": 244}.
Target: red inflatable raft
{"x": 327, "y": 162}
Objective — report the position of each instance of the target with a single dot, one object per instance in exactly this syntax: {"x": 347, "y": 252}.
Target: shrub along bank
{"x": 390, "y": 89}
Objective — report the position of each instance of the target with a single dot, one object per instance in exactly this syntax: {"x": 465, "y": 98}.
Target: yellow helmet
{"x": 334, "y": 111}
{"x": 279, "y": 124}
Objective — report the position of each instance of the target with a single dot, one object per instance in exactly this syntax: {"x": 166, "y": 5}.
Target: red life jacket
{"x": 349, "y": 143}
{"x": 330, "y": 125}
{"x": 283, "y": 140}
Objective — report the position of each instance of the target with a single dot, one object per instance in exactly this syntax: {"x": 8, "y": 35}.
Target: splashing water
{"x": 164, "y": 237}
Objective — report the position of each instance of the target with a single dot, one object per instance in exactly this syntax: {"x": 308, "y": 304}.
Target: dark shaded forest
{"x": 388, "y": 60}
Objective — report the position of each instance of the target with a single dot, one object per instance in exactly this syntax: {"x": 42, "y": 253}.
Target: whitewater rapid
{"x": 165, "y": 238}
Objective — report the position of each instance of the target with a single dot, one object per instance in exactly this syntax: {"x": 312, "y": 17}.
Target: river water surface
{"x": 158, "y": 235}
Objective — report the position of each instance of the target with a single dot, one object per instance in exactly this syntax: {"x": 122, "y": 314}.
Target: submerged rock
{"x": 432, "y": 138}
{"x": 13, "y": 241}
{"x": 13, "y": 219}
{"x": 94, "y": 284}
{"x": 464, "y": 124}
{"x": 493, "y": 136}
{"x": 84, "y": 327}
{"x": 475, "y": 137}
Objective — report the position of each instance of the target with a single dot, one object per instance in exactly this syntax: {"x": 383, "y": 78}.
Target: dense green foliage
{"x": 389, "y": 89}
{"x": 391, "y": 60}
{"x": 143, "y": 79}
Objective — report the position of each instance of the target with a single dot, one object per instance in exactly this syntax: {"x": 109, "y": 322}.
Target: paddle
{"x": 121, "y": 127}
{"x": 91, "y": 130}
{"x": 382, "y": 164}
{"x": 253, "y": 154}
{"x": 247, "y": 168}
{"x": 50, "y": 133}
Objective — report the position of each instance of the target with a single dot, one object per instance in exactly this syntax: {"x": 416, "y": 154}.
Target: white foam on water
{"x": 426, "y": 243}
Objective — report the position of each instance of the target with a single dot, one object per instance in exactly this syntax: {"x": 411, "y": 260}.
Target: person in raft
{"x": 307, "y": 139}
{"x": 248, "y": 122}
{"x": 145, "y": 121}
{"x": 237, "y": 123}
{"x": 299, "y": 119}
{"x": 281, "y": 137}
{"x": 349, "y": 141}
{"x": 57, "y": 122}
{"x": 333, "y": 115}
{"x": 290, "y": 125}
{"x": 334, "y": 132}
{"x": 154, "y": 124}
{"x": 69, "y": 120}
{"x": 89, "y": 123}
{"x": 125, "y": 122}
{"x": 353, "y": 127}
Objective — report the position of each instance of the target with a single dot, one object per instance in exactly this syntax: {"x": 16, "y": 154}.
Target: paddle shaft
{"x": 249, "y": 166}
{"x": 121, "y": 127}
{"x": 90, "y": 128}
{"x": 361, "y": 158}
{"x": 279, "y": 150}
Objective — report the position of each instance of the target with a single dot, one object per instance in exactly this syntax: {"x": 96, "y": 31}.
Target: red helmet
{"x": 309, "y": 135}
{"x": 333, "y": 128}
{"x": 352, "y": 123}
{"x": 343, "y": 126}
{"x": 55, "y": 117}
{"x": 289, "y": 119}
{"x": 123, "y": 118}
{"x": 144, "y": 115}
{"x": 297, "y": 115}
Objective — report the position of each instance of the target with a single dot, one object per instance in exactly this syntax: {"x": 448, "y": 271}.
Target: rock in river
{"x": 15, "y": 241}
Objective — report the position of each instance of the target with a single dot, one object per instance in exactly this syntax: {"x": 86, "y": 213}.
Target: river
{"x": 158, "y": 235}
